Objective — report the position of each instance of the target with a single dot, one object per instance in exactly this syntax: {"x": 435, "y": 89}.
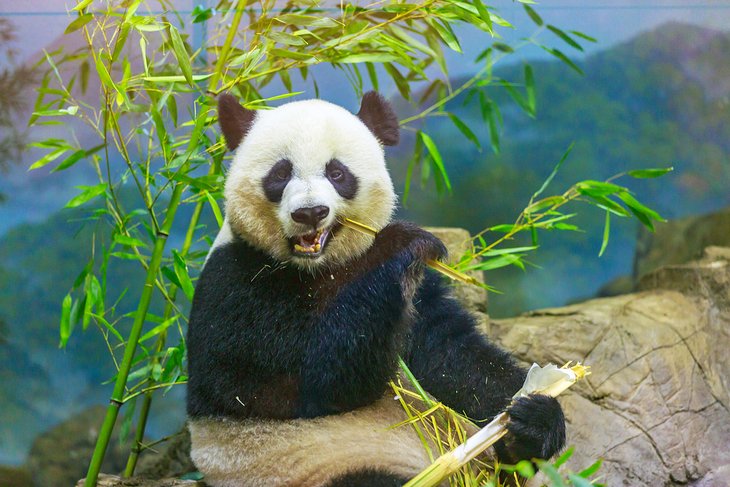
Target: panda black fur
{"x": 291, "y": 345}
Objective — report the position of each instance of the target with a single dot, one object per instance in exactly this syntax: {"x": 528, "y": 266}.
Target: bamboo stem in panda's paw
{"x": 436, "y": 265}
{"x": 549, "y": 380}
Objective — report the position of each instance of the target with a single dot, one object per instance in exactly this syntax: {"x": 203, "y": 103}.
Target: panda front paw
{"x": 536, "y": 429}
{"x": 402, "y": 236}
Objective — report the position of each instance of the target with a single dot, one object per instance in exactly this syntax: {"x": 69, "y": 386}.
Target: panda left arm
{"x": 456, "y": 363}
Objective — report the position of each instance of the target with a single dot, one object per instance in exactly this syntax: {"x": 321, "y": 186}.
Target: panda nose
{"x": 310, "y": 216}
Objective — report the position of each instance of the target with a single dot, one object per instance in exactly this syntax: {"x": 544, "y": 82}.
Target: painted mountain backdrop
{"x": 660, "y": 99}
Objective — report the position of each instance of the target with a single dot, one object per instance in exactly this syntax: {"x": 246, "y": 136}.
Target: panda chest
{"x": 300, "y": 294}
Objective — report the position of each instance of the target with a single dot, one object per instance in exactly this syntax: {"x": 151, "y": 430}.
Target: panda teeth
{"x": 310, "y": 243}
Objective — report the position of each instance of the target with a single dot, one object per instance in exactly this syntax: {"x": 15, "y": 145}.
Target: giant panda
{"x": 297, "y": 321}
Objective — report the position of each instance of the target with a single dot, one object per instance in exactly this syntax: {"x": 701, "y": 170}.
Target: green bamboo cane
{"x": 147, "y": 401}
{"x": 140, "y": 316}
{"x": 162, "y": 337}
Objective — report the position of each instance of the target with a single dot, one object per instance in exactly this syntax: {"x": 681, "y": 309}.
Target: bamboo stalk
{"x": 548, "y": 380}
{"x": 436, "y": 265}
{"x": 139, "y": 318}
{"x": 160, "y": 343}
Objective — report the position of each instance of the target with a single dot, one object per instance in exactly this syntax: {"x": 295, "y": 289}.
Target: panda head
{"x": 301, "y": 168}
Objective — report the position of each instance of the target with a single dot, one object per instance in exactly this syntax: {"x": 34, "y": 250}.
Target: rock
{"x": 657, "y": 406}
{"x": 115, "y": 481}
{"x": 15, "y": 477}
{"x": 172, "y": 460}
{"x": 61, "y": 455}
{"x": 680, "y": 241}
{"x": 616, "y": 287}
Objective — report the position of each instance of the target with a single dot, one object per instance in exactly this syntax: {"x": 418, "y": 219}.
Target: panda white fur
{"x": 297, "y": 321}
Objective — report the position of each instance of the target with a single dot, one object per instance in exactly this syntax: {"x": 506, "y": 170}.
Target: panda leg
{"x": 368, "y": 478}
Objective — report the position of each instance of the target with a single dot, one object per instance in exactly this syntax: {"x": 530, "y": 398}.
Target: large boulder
{"x": 657, "y": 406}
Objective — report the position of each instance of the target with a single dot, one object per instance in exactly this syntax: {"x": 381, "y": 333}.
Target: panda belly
{"x": 307, "y": 452}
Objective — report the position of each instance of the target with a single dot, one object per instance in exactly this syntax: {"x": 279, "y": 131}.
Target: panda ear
{"x": 377, "y": 114}
{"x": 235, "y": 121}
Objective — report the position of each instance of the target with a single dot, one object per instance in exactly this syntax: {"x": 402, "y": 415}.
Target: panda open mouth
{"x": 312, "y": 244}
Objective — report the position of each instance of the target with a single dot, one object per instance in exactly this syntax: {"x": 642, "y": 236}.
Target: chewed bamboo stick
{"x": 549, "y": 380}
{"x": 436, "y": 265}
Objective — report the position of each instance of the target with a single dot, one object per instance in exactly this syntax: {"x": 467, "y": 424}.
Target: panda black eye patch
{"x": 344, "y": 182}
{"x": 276, "y": 180}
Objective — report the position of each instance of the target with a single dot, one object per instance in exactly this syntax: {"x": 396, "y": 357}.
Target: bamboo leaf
{"x": 533, "y": 15}
{"x": 88, "y": 193}
{"x": 446, "y": 33}
{"x": 518, "y": 98}
{"x": 591, "y": 470}
{"x": 285, "y": 38}
{"x": 559, "y": 54}
{"x": 181, "y": 271}
{"x": 82, "y": 5}
{"x": 84, "y": 76}
{"x": 565, "y": 37}
{"x": 643, "y": 213}
{"x": 606, "y": 233}
{"x": 104, "y": 75}
{"x": 564, "y": 457}
{"x": 530, "y": 90}
{"x": 369, "y": 57}
{"x": 78, "y": 23}
{"x": 284, "y": 53}
{"x": 76, "y": 157}
{"x": 65, "y": 328}
{"x": 436, "y": 156}
{"x": 484, "y": 14}
{"x": 129, "y": 241}
{"x": 579, "y": 481}
{"x": 158, "y": 329}
{"x": 554, "y": 172}
{"x": 216, "y": 209}
{"x": 497, "y": 263}
{"x": 556, "y": 480}
{"x": 649, "y": 173}
{"x": 201, "y": 14}
{"x": 48, "y": 158}
{"x": 511, "y": 250}
{"x": 583, "y": 36}
{"x": 598, "y": 188}
{"x": 181, "y": 54}
{"x": 176, "y": 79}
{"x": 464, "y": 129}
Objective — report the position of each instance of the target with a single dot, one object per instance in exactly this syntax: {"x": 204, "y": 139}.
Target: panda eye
{"x": 282, "y": 174}
{"x": 336, "y": 174}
